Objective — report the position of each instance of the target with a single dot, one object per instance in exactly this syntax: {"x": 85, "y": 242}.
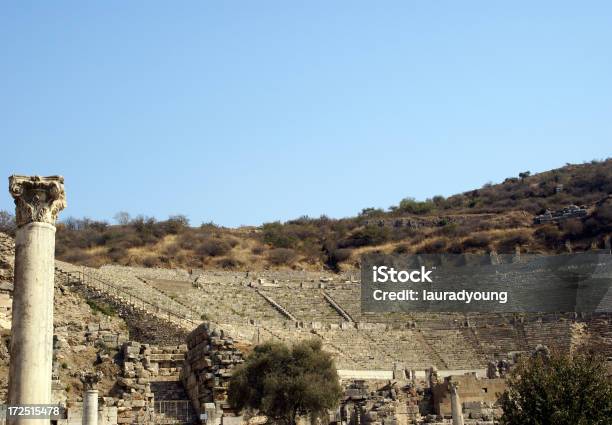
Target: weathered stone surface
{"x": 37, "y": 199}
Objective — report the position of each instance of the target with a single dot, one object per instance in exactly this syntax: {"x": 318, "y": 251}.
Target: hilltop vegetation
{"x": 495, "y": 217}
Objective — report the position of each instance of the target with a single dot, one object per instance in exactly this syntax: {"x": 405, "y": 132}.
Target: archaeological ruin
{"x": 132, "y": 345}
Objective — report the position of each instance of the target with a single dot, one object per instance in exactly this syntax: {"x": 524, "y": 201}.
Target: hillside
{"x": 495, "y": 217}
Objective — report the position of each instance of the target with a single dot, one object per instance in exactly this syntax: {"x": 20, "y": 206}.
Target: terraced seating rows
{"x": 307, "y": 305}
{"x": 552, "y": 334}
{"x": 600, "y": 329}
{"x": 454, "y": 349}
{"x": 417, "y": 340}
{"x": 221, "y": 302}
{"x": 376, "y": 350}
{"x": 497, "y": 340}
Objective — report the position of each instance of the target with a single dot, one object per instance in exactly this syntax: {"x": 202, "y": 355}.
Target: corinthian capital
{"x": 37, "y": 199}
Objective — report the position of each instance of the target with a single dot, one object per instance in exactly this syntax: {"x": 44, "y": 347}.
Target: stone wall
{"x": 135, "y": 399}
{"x": 471, "y": 390}
{"x": 7, "y": 259}
{"x": 210, "y": 358}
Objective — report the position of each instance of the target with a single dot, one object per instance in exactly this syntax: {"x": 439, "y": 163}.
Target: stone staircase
{"x": 305, "y": 304}
{"x": 171, "y": 402}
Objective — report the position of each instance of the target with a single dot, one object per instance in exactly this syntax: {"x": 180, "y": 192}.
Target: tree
{"x": 412, "y": 206}
{"x": 7, "y": 223}
{"x": 176, "y": 224}
{"x": 122, "y": 218}
{"x": 524, "y": 174}
{"x": 284, "y": 383}
{"x": 558, "y": 389}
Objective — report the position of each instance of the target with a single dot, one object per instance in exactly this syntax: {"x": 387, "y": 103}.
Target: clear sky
{"x": 243, "y": 112}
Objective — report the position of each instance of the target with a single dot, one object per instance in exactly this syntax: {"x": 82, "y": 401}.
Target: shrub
{"x": 228, "y": 263}
{"x": 171, "y": 249}
{"x": 76, "y": 255}
{"x": 434, "y": 246}
{"x": 479, "y": 240}
{"x": 411, "y": 206}
{"x": 189, "y": 240}
{"x": 336, "y": 256}
{"x": 560, "y": 389}
{"x": 101, "y": 308}
{"x": 232, "y": 242}
{"x": 175, "y": 224}
{"x": 510, "y": 242}
{"x": 549, "y": 233}
{"x": 284, "y": 383}
{"x": 117, "y": 253}
{"x": 151, "y": 261}
{"x": 280, "y": 256}
{"x": 274, "y": 234}
{"x": 368, "y": 235}
{"x": 371, "y": 212}
{"x": 213, "y": 248}
{"x": 257, "y": 250}
{"x": 572, "y": 228}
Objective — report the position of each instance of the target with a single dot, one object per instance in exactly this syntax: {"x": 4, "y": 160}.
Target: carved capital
{"x": 37, "y": 199}
{"x": 91, "y": 379}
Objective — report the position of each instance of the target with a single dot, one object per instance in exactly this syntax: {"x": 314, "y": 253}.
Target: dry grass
{"x": 495, "y": 217}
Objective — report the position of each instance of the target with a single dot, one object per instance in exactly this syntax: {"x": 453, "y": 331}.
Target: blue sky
{"x": 243, "y": 112}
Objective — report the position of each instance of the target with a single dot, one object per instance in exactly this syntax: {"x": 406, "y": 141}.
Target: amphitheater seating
{"x": 375, "y": 341}
{"x": 307, "y": 305}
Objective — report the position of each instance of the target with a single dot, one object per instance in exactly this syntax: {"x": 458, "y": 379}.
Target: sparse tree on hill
{"x": 284, "y": 383}
{"x": 123, "y": 218}
{"x": 558, "y": 389}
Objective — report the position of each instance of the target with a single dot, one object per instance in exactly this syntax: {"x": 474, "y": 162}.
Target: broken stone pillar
{"x": 456, "y": 409}
{"x": 37, "y": 203}
{"x": 90, "y": 407}
{"x": 90, "y": 398}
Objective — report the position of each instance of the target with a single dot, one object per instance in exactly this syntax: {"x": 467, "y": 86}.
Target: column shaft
{"x": 32, "y": 323}
{"x": 456, "y": 408}
{"x": 90, "y": 408}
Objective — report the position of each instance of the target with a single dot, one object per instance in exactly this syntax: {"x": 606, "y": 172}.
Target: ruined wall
{"x": 7, "y": 257}
{"x": 135, "y": 399}
{"x": 471, "y": 389}
{"x": 209, "y": 361}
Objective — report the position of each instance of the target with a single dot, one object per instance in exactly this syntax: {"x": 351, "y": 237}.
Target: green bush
{"x": 275, "y": 234}
{"x": 101, "y": 308}
{"x": 285, "y": 383}
{"x": 366, "y": 236}
{"x": 559, "y": 389}
{"x": 411, "y": 206}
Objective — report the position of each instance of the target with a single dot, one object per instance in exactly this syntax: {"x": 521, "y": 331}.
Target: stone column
{"x": 90, "y": 407}
{"x": 90, "y": 398}
{"x": 456, "y": 409}
{"x": 38, "y": 201}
